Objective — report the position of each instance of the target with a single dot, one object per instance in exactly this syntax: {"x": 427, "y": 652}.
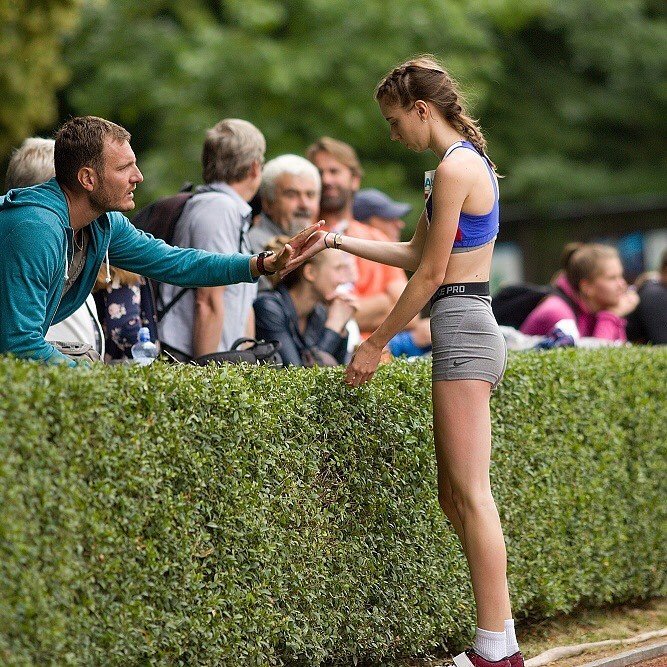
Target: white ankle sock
{"x": 490, "y": 645}
{"x": 510, "y": 636}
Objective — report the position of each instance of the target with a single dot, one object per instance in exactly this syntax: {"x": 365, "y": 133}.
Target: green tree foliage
{"x": 571, "y": 94}
{"x": 298, "y": 69}
{"x": 31, "y": 66}
{"x": 578, "y": 107}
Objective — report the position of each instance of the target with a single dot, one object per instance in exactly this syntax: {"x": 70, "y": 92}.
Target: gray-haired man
{"x": 217, "y": 218}
{"x": 290, "y": 193}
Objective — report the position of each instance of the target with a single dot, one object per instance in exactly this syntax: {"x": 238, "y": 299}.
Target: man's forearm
{"x": 207, "y": 329}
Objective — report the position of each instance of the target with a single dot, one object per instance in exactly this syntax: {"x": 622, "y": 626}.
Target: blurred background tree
{"x": 31, "y": 65}
{"x": 571, "y": 93}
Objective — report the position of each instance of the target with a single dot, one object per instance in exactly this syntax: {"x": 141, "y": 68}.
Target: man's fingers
{"x": 303, "y": 235}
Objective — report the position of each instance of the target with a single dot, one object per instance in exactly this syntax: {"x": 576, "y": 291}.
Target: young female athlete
{"x": 450, "y": 255}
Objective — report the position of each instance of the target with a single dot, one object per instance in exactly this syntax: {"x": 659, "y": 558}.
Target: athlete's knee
{"x": 446, "y": 502}
{"x": 471, "y": 498}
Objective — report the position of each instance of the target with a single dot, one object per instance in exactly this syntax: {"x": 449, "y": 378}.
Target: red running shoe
{"x": 470, "y": 658}
{"x": 516, "y": 659}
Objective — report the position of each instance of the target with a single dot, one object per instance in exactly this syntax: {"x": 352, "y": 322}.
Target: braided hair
{"x": 423, "y": 78}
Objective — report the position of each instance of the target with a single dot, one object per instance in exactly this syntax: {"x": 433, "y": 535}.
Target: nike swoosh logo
{"x": 460, "y": 363}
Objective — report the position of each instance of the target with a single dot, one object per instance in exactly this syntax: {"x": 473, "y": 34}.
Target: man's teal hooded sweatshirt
{"x": 36, "y": 247}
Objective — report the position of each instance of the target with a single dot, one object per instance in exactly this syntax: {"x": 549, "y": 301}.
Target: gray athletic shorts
{"x": 467, "y": 342}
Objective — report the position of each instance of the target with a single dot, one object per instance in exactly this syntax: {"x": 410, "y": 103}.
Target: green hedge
{"x": 241, "y": 516}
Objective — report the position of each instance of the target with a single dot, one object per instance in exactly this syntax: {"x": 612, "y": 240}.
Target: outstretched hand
{"x": 292, "y": 250}
{"x": 314, "y": 244}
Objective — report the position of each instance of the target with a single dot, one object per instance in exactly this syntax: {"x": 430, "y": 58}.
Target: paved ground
{"x": 651, "y": 654}
{"x": 656, "y": 662}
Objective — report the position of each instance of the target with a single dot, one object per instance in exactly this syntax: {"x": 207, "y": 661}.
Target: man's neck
{"x": 245, "y": 189}
{"x": 81, "y": 213}
{"x": 333, "y": 219}
{"x": 285, "y": 229}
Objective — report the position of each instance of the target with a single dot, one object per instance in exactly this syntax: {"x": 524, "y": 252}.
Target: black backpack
{"x": 512, "y": 304}
{"x": 159, "y": 219}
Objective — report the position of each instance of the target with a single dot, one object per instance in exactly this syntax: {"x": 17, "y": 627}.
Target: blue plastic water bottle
{"x": 143, "y": 351}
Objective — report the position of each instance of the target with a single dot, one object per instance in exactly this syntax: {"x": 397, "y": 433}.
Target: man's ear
{"x": 88, "y": 178}
{"x": 255, "y": 169}
{"x": 356, "y": 182}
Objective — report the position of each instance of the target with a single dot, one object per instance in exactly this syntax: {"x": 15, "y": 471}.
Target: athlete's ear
{"x": 422, "y": 109}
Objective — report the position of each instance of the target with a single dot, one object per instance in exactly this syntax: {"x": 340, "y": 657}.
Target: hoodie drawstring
{"x": 106, "y": 261}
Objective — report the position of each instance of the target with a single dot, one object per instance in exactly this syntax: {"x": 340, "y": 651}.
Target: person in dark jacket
{"x": 648, "y": 322}
{"x": 309, "y": 310}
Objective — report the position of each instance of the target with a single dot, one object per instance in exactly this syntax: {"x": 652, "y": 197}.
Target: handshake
{"x": 295, "y": 252}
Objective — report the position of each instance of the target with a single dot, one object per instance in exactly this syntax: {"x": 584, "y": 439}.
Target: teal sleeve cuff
{"x": 239, "y": 268}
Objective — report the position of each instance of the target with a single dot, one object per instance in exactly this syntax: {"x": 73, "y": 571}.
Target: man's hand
{"x": 292, "y": 250}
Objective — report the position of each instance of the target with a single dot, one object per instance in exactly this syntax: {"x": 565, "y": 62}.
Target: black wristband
{"x": 261, "y": 269}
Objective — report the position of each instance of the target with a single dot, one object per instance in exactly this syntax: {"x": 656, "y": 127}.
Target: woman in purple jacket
{"x": 599, "y": 298}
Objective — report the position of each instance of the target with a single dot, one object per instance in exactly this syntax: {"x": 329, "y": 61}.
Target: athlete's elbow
{"x": 432, "y": 277}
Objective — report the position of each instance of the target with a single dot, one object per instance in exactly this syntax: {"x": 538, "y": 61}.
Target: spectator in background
{"x": 593, "y": 293}
{"x": 29, "y": 165}
{"x": 125, "y": 305}
{"x": 378, "y": 210}
{"x": 55, "y": 236}
{"x": 648, "y": 322}
{"x": 290, "y": 195}
{"x": 379, "y": 286}
{"x": 217, "y": 218}
{"x": 308, "y": 311}
{"x": 290, "y": 200}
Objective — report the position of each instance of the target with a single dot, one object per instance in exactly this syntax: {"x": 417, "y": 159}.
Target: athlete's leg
{"x": 463, "y": 425}
{"x": 444, "y": 488}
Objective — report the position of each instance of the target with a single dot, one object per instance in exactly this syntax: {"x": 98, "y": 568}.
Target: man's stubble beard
{"x": 336, "y": 204}
{"x": 299, "y": 222}
{"x": 102, "y": 202}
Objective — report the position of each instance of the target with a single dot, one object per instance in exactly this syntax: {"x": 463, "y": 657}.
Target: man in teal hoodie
{"x": 55, "y": 236}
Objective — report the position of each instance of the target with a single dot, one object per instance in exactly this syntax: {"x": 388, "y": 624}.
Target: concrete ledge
{"x": 631, "y": 657}
{"x": 563, "y": 652}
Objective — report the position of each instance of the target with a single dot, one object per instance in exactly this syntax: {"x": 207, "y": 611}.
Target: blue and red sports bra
{"x": 474, "y": 231}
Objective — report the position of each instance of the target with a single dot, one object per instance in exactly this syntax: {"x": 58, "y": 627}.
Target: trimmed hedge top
{"x": 248, "y": 516}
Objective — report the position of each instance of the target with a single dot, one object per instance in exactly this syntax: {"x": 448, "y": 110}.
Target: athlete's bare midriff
{"x": 470, "y": 267}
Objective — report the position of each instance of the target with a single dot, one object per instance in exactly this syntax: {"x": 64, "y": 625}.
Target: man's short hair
{"x": 230, "y": 148}
{"x": 80, "y": 143}
{"x": 31, "y": 163}
{"x": 294, "y": 165}
{"x": 343, "y": 152}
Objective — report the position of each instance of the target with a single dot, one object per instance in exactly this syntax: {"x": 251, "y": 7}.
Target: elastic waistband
{"x": 461, "y": 289}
